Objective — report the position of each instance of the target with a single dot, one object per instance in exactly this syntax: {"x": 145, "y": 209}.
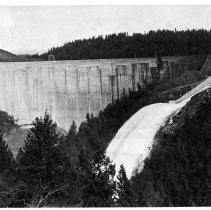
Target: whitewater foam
{"x": 134, "y": 140}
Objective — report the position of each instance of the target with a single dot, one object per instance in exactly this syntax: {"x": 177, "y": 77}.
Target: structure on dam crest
{"x": 70, "y": 89}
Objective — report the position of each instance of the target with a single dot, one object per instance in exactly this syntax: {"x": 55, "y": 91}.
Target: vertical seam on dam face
{"x": 117, "y": 82}
{"x": 112, "y": 83}
{"x": 111, "y": 77}
{"x": 89, "y": 93}
{"x": 70, "y": 89}
{"x": 101, "y": 87}
{"x": 133, "y": 76}
{"x": 77, "y": 92}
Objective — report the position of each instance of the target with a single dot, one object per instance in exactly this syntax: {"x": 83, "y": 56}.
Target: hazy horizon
{"x": 35, "y": 29}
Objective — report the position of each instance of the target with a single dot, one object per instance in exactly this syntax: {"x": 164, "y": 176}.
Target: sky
{"x": 35, "y": 29}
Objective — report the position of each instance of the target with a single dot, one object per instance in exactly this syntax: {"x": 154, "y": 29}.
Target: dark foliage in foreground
{"x": 96, "y": 180}
{"x": 125, "y": 194}
{"x": 42, "y": 175}
{"x": 40, "y": 157}
{"x": 6, "y": 156}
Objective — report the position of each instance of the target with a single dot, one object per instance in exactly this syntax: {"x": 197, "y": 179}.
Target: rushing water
{"x": 134, "y": 140}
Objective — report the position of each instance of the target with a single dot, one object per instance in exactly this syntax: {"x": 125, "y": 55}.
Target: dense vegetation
{"x": 122, "y": 45}
{"x": 42, "y": 175}
{"x": 56, "y": 170}
{"x": 177, "y": 172}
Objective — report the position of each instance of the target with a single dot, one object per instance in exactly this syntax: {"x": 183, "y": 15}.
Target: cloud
{"x": 37, "y": 28}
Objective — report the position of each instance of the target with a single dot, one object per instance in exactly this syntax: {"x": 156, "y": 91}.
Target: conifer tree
{"x": 88, "y": 117}
{"x": 72, "y": 132}
{"x": 125, "y": 195}
{"x": 6, "y": 156}
{"x": 97, "y": 182}
{"x": 40, "y": 160}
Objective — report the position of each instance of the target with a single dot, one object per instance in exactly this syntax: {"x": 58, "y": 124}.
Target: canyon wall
{"x": 70, "y": 89}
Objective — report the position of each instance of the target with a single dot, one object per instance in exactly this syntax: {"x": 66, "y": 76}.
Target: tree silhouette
{"x": 72, "y": 132}
{"x": 6, "y": 156}
{"x": 122, "y": 45}
{"x": 125, "y": 195}
{"x": 39, "y": 160}
{"x": 97, "y": 182}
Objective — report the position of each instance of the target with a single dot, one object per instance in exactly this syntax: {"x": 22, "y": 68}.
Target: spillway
{"x": 134, "y": 140}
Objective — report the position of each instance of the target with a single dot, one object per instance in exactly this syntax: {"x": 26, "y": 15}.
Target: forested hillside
{"x": 122, "y": 45}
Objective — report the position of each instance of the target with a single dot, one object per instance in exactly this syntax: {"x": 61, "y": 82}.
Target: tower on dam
{"x": 51, "y": 57}
{"x": 70, "y": 89}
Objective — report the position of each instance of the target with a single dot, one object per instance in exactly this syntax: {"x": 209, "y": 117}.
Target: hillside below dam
{"x": 70, "y": 89}
{"x": 134, "y": 140}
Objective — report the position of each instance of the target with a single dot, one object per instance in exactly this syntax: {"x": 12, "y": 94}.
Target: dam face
{"x": 70, "y": 89}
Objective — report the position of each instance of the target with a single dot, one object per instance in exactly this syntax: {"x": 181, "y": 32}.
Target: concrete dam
{"x": 69, "y": 89}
